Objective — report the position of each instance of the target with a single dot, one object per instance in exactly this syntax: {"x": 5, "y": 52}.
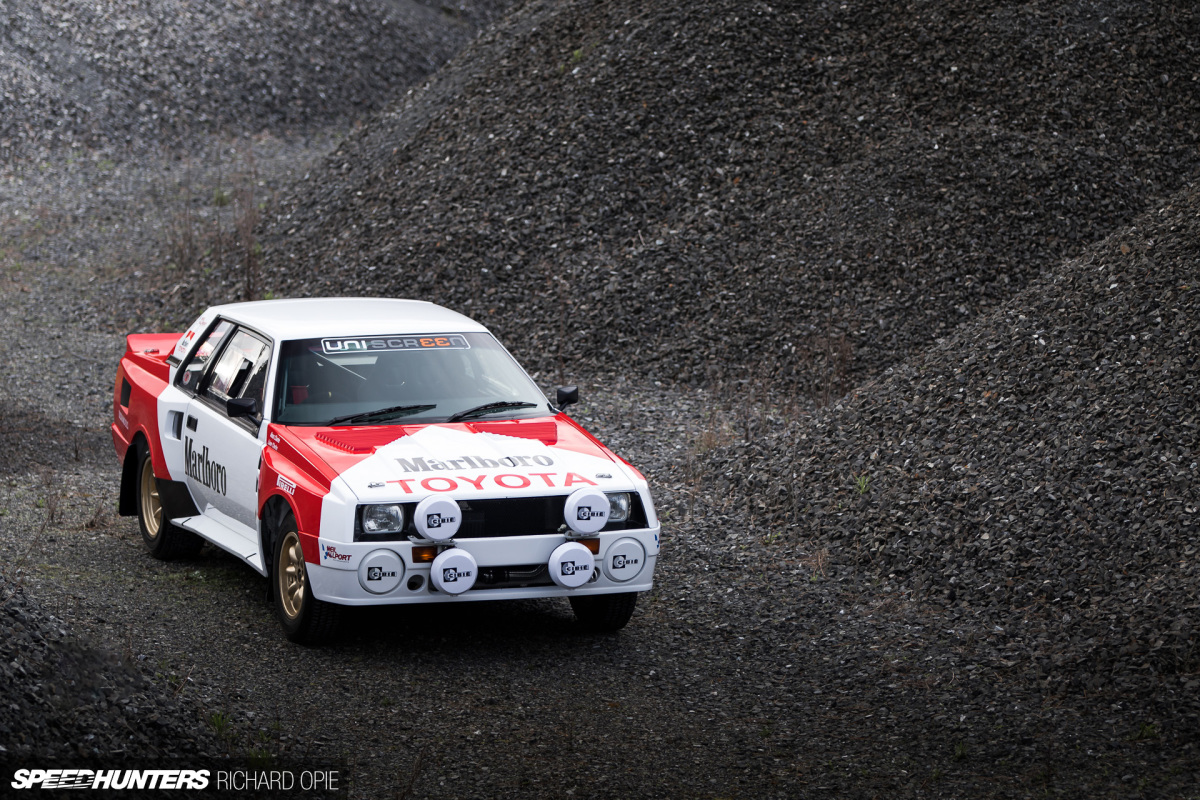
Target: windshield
{"x": 401, "y": 379}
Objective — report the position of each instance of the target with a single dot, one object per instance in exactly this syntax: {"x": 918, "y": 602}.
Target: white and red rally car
{"x": 370, "y": 451}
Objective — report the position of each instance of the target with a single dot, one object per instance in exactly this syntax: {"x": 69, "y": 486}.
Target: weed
{"x": 960, "y": 751}
{"x": 862, "y": 483}
{"x": 260, "y": 758}
{"x": 182, "y": 242}
{"x": 415, "y": 772}
{"x": 817, "y": 562}
{"x": 1146, "y": 732}
{"x": 222, "y": 724}
{"x": 245, "y": 222}
{"x": 221, "y": 197}
{"x": 98, "y": 519}
{"x": 577, "y": 56}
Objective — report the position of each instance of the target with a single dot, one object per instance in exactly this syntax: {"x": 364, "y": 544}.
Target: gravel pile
{"x": 1038, "y": 469}
{"x": 126, "y": 75}
{"x": 67, "y": 699}
{"x": 797, "y": 197}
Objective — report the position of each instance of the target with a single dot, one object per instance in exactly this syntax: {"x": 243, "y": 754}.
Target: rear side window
{"x": 240, "y": 370}
{"x": 193, "y": 368}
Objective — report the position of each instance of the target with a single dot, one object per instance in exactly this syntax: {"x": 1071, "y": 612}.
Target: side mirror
{"x": 567, "y": 395}
{"x": 241, "y": 407}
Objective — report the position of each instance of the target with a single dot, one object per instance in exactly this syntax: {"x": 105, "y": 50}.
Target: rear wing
{"x": 150, "y": 351}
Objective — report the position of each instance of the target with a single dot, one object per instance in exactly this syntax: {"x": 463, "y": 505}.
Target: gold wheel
{"x": 151, "y": 505}
{"x": 291, "y": 575}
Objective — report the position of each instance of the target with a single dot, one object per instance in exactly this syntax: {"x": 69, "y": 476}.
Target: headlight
{"x": 383, "y": 519}
{"x": 618, "y": 506}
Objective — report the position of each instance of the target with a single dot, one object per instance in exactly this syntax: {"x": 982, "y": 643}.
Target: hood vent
{"x": 543, "y": 431}
{"x": 360, "y": 441}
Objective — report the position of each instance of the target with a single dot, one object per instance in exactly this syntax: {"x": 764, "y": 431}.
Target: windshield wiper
{"x": 488, "y": 408}
{"x": 381, "y": 414}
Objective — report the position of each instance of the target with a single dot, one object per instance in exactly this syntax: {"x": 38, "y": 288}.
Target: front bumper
{"x": 340, "y": 573}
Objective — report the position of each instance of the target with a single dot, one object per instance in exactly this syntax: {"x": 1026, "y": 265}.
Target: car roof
{"x": 304, "y": 318}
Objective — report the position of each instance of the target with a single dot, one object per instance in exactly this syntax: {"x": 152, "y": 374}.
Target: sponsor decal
{"x": 450, "y": 574}
{"x": 570, "y": 567}
{"x": 442, "y": 483}
{"x": 379, "y": 573}
{"x": 273, "y": 440}
{"x": 201, "y": 468}
{"x": 621, "y": 562}
{"x": 286, "y": 485}
{"x": 472, "y": 462}
{"x": 436, "y": 520}
{"x": 377, "y": 344}
{"x": 330, "y": 553}
{"x": 584, "y": 513}
{"x": 121, "y": 418}
{"x": 110, "y": 779}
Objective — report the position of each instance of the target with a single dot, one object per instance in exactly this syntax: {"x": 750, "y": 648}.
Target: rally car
{"x": 365, "y": 451}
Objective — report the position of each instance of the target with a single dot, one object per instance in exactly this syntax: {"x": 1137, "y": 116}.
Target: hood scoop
{"x": 543, "y": 431}
{"x": 360, "y": 440}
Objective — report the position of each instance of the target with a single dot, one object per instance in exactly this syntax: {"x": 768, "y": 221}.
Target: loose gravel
{"x": 944, "y": 548}
{"x": 127, "y": 77}
{"x": 785, "y": 196}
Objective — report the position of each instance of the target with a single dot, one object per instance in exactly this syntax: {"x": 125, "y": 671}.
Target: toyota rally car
{"x": 371, "y": 451}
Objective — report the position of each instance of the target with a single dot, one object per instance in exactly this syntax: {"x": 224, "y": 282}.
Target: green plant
{"x": 862, "y": 483}
{"x": 1146, "y": 732}
{"x": 221, "y": 723}
{"x": 960, "y": 751}
{"x": 259, "y": 758}
{"x": 221, "y": 197}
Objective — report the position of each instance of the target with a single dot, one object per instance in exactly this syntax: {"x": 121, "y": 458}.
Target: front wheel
{"x": 305, "y": 619}
{"x": 164, "y": 540}
{"x": 604, "y": 612}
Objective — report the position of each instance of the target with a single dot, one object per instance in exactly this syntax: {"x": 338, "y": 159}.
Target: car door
{"x": 222, "y": 450}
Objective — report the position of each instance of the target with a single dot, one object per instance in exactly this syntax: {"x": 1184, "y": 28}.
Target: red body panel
{"x": 144, "y": 366}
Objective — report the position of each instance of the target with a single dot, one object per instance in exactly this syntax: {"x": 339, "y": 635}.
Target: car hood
{"x": 544, "y": 456}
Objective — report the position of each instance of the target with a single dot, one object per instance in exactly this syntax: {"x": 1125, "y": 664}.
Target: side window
{"x": 240, "y": 370}
{"x": 193, "y": 368}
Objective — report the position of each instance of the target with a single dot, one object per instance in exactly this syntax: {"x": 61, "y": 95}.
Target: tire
{"x": 604, "y": 612}
{"x": 305, "y": 619}
{"x": 164, "y": 540}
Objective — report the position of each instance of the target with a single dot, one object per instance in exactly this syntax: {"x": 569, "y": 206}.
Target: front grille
{"x": 514, "y": 516}
{"x": 510, "y": 516}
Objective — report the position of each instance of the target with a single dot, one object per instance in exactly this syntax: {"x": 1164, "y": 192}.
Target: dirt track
{"x": 810, "y": 634}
